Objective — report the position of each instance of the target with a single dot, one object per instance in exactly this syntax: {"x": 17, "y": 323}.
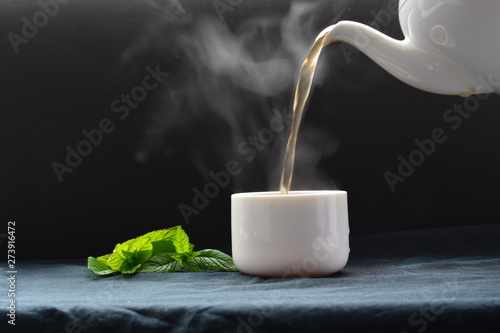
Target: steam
{"x": 227, "y": 85}
{"x": 230, "y": 56}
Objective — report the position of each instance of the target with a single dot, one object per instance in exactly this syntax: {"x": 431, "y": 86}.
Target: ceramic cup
{"x": 303, "y": 233}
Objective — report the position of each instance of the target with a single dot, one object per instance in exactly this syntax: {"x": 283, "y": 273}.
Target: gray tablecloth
{"x": 440, "y": 280}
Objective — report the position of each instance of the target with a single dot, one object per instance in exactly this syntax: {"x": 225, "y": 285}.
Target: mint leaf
{"x": 104, "y": 258}
{"x": 215, "y": 260}
{"x": 99, "y": 267}
{"x": 128, "y": 257}
{"x": 162, "y": 240}
{"x": 187, "y": 262}
{"x": 181, "y": 242}
{"x": 167, "y": 250}
{"x": 161, "y": 263}
{"x": 190, "y": 265}
{"x": 185, "y": 255}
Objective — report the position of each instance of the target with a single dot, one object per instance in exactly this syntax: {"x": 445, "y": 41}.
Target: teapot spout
{"x": 429, "y": 71}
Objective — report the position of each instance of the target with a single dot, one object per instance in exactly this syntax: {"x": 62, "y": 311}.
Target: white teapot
{"x": 450, "y": 46}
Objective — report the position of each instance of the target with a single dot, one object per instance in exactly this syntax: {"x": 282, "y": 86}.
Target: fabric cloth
{"x": 436, "y": 280}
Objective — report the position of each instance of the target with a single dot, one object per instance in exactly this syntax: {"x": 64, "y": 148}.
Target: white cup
{"x": 302, "y": 233}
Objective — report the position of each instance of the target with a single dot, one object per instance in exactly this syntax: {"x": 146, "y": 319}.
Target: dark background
{"x": 229, "y": 65}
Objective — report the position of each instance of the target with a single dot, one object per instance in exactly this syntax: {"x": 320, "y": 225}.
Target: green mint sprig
{"x": 160, "y": 251}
